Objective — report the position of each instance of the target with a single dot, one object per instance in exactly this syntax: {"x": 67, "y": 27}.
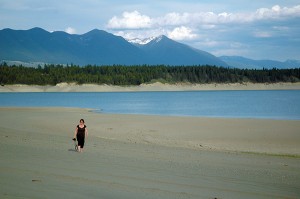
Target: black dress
{"x": 81, "y": 135}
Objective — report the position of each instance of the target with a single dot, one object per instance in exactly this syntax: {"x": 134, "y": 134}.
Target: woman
{"x": 80, "y": 133}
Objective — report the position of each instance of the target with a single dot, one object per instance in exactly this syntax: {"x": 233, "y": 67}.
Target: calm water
{"x": 233, "y": 104}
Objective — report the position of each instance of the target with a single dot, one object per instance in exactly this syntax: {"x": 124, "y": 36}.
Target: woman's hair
{"x": 81, "y": 120}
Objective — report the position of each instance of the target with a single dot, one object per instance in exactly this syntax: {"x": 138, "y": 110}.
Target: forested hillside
{"x": 136, "y": 75}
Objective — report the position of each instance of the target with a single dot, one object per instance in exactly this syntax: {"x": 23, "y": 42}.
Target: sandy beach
{"x": 73, "y": 87}
{"x": 140, "y": 156}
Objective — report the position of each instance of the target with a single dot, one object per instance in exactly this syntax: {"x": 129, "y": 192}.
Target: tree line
{"x": 51, "y": 74}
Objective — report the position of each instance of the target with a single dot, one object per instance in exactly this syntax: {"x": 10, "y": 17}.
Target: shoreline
{"x": 73, "y": 87}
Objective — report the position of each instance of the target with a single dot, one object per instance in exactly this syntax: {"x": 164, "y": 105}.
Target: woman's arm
{"x": 86, "y": 132}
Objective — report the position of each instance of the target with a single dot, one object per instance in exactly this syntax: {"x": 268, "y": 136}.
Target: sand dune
{"x": 138, "y": 156}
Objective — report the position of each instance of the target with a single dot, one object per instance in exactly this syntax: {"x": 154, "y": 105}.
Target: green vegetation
{"x": 136, "y": 75}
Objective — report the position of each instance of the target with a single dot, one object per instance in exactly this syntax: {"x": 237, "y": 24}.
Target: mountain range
{"x": 99, "y": 47}
{"x": 96, "y": 47}
{"x": 243, "y": 63}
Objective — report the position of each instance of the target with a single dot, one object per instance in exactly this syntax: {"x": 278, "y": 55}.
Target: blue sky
{"x": 268, "y": 29}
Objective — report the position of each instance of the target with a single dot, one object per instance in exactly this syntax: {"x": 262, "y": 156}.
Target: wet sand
{"x": 138, "y": 156}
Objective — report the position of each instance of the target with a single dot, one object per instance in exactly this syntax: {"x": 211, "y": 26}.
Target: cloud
{"x": 209, "y": 18}
{"x": 130, "y": 20}
{"x": 225, "y": 33}
{"x": 262, "y": 34}
{"x": 181, "y": 33}
{"x": 178, "y": 33}
{"x": 141, "y": 34}
{"x": 173, "y": 19}
{"x": 70, "y": 30}
{"x": 277, "y": 12}
{"x": 135, "y": 20}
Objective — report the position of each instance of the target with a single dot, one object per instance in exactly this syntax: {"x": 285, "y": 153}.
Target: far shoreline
{"x": 157, "y": 86}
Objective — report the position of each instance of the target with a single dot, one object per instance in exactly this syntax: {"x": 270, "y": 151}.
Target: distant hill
{"x": 242, "y": 62}
{"x": 96, "y": 47}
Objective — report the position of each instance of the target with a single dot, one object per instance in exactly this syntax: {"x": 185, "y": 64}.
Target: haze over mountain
{"x": 96, "y": 47}
{"x": 243, "y": 63}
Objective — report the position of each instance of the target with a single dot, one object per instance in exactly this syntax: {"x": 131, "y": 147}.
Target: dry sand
{"x": 138, "y": 156}
{"x": 72, "y": 87}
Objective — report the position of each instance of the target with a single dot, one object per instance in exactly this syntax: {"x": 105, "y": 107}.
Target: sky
{"x": 256, "y": 29}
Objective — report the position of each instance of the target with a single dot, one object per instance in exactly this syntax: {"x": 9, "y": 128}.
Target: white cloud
{"x": 181, "y": 33}
{"x": 141, "y": 34}
{"x": 262, "y": 34}
{"x": 277, "y": 12}
{"x": 130, "y": 20}
{"x": 178, "y": 33}
{"x": 70, "y": 30}
{"x": 220, "y": 33}
{"x": 173, "y": 19}
{"x": 135, "y": 20}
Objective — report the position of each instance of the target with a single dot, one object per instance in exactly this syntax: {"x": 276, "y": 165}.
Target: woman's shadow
{"x": 72, "y": 150}
{"x": 75, "y": 149}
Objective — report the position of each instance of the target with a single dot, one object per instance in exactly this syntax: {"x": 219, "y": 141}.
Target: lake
{"x": 278, "y": 104}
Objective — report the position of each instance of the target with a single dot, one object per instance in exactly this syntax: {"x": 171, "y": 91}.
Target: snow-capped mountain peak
{"x": 145, "y": 40}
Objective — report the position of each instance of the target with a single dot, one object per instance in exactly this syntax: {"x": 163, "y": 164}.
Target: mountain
{"x": 242, "y": 62}
{"x": 96, "y": 47}
{"x": 164, "y": 50}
